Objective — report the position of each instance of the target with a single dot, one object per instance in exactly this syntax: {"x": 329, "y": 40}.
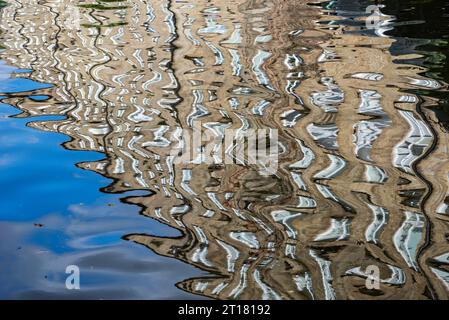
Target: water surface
{"x": 93, "y": 92}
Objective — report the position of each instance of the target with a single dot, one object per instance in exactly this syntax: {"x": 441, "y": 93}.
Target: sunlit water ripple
{"x": 363, "y": 177}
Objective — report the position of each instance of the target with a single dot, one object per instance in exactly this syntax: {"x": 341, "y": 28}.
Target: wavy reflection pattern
{"x": 363, "y": 177}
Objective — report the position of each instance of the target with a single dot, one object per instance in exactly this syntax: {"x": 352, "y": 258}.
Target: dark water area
{"x": 91, "y": 92}
{"x": 420, "y": 27}
{"x": 432, "y": 33}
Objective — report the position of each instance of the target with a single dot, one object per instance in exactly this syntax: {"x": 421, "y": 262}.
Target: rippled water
{"x": 91, "y": 93}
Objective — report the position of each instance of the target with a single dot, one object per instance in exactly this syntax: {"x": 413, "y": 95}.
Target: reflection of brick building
{"x": 347, "y": 194}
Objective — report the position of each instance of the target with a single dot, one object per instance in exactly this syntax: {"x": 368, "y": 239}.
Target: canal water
{"x": 95, "y": 96}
